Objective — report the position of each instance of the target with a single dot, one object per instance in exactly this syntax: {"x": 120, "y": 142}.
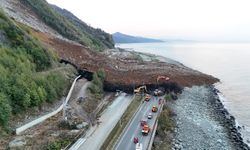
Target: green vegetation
{"x": 165, "y": 129}
{"x": 57, "y": 145}
{"x": 66, "y": 26}
{"x": 99, "y": 37}
{"x": 164, "y": 122}
{"x": 167, "y": 97}
{"x": 96, "y": 88}
{"x": 22, "y": 61}
{"x": 118, "y": 129}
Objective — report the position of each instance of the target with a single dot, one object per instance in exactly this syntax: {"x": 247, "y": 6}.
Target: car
{"x": 138, "y": 146}
{"x": 143, "y": 122}
{"x": 150, "y": 116}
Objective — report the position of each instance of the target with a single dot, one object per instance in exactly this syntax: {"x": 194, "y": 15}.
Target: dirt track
{"x": 127, "y": 72}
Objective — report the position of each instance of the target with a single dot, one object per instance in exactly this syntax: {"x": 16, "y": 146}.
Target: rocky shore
{"x": 202, "y": 122}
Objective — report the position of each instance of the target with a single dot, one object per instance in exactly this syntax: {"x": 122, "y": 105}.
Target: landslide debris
{"x": 124, "y": 70}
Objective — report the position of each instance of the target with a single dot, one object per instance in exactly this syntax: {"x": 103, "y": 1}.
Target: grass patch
{"x": 116, "y": 132}
{"x": 167, "y": 97}
{"x": 164, "y": 130}
{"x": 57, "y": 145}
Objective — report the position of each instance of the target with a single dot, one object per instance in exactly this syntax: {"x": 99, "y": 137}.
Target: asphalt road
{"x": 134, "y": 129}
{"x": 96, "y": 135}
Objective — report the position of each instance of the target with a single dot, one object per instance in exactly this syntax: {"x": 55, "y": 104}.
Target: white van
{"x": 138, "y": 146}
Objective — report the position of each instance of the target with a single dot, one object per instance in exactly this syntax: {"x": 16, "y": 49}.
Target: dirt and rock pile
{"x": 123, "y": 71}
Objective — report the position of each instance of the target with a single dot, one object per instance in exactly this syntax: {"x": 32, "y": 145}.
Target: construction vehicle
{"x": 162, "y": 77}
{"x": 141, "y": 89}
{"x": 158, "y": 92}
{"x": 145, "y": 129}
{"x": 154, "y": 109}
{"x": 148, "y": 97}
{"x": 138, "y": 146}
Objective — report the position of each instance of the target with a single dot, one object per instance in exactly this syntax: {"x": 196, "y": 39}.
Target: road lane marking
{"x": 137, "y": 114}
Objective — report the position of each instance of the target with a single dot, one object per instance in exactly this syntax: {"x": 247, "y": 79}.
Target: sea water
{"x": 230, "y": 62}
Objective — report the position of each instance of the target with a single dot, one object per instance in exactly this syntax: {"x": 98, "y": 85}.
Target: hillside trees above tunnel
{"x": 22, "y": 63}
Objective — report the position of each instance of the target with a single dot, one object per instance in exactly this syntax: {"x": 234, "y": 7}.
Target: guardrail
{"x": 43, "y": 118}
{"x": 149, "y": 146}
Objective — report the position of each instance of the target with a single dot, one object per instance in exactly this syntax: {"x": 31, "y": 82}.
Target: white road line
{"x": 129, "y": 126}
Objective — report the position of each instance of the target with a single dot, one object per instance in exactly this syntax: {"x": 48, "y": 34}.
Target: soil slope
{"x": 123, "y": 70}
{"x": 123, "y": 73}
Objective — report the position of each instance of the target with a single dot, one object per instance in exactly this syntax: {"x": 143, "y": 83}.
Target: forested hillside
{"x": 22, "y": 63}
{"x": 69, "y": 26}
{"x": 98, "y": 36}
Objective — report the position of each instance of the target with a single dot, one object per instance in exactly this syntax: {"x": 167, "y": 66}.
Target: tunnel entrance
{"x": 83, "y": 72}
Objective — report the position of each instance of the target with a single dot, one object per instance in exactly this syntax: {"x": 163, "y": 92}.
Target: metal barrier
{"x": 41, "y": 119}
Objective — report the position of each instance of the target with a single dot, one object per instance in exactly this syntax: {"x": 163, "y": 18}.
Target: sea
{"x": 230, "y": 62}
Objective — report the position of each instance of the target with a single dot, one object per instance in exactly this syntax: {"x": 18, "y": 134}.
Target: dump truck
{"x": 154, "y": 109}
{"x": 145, "y": 129}
{"x": 147, "y": 98}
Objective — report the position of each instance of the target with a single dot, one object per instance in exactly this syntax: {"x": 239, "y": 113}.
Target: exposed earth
{"x": 125, "y": 69}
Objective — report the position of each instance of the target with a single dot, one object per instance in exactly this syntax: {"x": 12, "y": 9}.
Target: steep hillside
{"x": 98, "y": 36}
{"x": 124, "y": 38}
{"x": 69, "y": 26}
{"x": 23, "y": 63}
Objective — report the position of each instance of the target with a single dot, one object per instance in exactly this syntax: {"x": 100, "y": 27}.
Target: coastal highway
{"x": 134, "y": 129}
{"x": 95, "y": 137}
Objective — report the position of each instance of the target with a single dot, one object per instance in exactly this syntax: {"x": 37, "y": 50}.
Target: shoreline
{"x": 231, "y": 121}
{"x": 201, "y": 118}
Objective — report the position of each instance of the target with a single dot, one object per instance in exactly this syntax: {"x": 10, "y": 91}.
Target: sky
{"x": 215, "y": 20}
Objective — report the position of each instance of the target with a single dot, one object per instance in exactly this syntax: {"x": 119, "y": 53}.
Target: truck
{"x": 145, "y": 129}
{"x": 154, "y": 109}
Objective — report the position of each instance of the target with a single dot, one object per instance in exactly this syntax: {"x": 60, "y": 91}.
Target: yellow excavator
{"x": 141, "y": 89}
{"x": 162, "y": 77}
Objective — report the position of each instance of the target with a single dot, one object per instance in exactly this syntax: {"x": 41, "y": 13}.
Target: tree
{"x": 5, "y": 109}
